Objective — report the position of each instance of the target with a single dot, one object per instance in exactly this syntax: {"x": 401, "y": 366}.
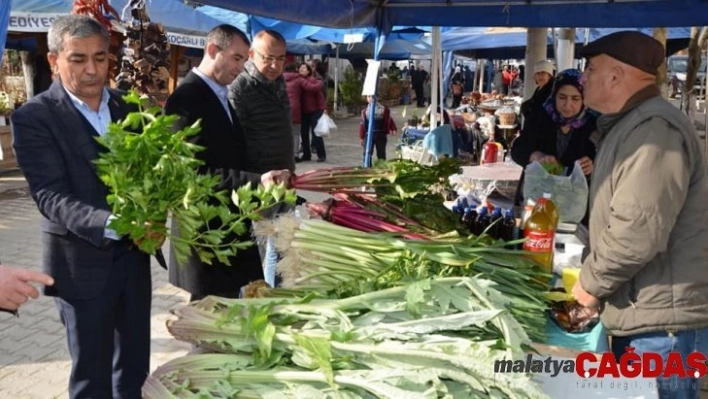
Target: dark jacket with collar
{"x": 225, "y": 156}
{"x": 263, "y": 108}
{"x": 56, "y": 149}
{"x": 539, "y": 134}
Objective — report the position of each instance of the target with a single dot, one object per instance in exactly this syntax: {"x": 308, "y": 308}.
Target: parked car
{"x": 676, "y": 67}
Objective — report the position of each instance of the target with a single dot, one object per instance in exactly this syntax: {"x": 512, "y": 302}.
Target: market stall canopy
{"x": 184, "y": 26}
{"x": 495, "y": 43}
{"x": 296, "y": 31}
{"x": 510, "y": 13}
{"x": 4, "y": 18}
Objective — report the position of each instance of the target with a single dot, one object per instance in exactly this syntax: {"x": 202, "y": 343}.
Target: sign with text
{"x": 370, "y": 81}
{"x": 40, "y": 22}
{"x": 30, "y": 22}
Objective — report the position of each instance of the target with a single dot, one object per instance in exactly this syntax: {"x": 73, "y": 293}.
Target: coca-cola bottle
{"x": 540, "y": 232}
{"x": 490, "y": 151}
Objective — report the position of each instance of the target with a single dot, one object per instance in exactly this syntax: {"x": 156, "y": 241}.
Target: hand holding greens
{"x": 152, "y": 172}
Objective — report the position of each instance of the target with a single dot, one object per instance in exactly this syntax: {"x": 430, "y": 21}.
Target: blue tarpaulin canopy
{"x": 184, "y": 26}
{"x": 495, "y": 43}
{"x": 526, "y": 13}
{"x": 4, "y": 17}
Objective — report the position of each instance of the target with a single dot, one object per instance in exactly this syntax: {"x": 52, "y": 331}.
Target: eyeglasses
{"x": 270, "y": 59}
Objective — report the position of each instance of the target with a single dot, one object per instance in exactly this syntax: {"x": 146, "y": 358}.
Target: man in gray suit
{"x": 102, "y": 284}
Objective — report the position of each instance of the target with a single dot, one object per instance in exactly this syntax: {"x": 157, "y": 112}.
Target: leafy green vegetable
{"x": 153, "y": 174}
{"x": 390, "y": 351}
{"x": 553, "y": 168}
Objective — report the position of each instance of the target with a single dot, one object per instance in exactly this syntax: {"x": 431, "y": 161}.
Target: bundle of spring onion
{"x": 404, "y": 342}
{"x": 318, "y": 256}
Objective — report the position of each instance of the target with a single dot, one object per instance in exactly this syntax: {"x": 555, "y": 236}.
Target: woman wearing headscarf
{"x": 543, "y": 76}
{"x": 457, "y": 87}
{"x": 559, "y": 132}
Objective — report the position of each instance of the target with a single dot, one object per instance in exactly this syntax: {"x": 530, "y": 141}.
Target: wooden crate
{"x": 9, "y": 161}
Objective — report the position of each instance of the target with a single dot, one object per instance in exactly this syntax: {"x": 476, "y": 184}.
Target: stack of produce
{"x": 405, "y": 342}
{"x": 392, "y": 301}
{"x": 145, "y": 65}
{"x": 318, "y": 256}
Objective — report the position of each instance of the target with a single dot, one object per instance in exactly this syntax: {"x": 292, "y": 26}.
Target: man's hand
{"x": 276, "y": 177}
{"x": 587, "y": 165}
{"x": 584, "y": 298}
{"x": 392, "y": 132}
{"x": 361, "y": 141}
{"x": 15, "y": 287}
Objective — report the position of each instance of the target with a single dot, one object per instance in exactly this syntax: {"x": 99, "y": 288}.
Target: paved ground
{"x": 34, "y": 361}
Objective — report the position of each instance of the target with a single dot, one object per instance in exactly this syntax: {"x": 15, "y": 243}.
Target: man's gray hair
{"x": 73, "y": 25}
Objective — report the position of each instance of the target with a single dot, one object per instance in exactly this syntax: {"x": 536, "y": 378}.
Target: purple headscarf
{"x": 567, "y": 77}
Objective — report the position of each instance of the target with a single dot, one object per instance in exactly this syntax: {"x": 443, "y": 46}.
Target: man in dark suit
{"x": 102, "y": 282}
{"x": 203, "y": 95}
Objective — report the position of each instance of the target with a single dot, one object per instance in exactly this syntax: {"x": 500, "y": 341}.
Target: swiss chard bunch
{"x": 152, "y": 173}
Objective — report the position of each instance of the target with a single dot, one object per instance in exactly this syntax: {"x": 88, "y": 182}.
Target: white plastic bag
{"x": 569, "y": 193}
{"x": 322, "y": 127}
{"x": 330, "y": 122}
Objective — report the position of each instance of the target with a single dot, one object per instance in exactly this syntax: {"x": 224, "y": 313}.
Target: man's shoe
{"x": 321, "y": 159}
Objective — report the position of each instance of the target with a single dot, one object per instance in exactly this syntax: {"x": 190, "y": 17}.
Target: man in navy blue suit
{"x": 102, "y": 284}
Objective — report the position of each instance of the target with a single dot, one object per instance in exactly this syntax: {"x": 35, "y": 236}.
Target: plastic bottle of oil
{"x": 540, "y": 233}
{"x": 551, "y": 210}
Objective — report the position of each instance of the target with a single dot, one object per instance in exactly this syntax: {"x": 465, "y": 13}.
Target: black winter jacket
{"x": 263, "y": 108}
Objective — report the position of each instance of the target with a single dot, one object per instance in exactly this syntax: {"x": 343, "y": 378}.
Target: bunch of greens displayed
{"x": 336, "y": 261}
{"x": 402, "y": 188}
{"x": 364, "y": 212}
{"x": 151, "y": 171}
{"x": 405, "y": 342}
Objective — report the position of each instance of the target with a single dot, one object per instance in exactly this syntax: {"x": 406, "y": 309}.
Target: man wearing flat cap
{"x": 647, "y": 271}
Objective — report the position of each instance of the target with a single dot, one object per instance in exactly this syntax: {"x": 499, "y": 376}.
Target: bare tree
{"x": 662, "y": 79}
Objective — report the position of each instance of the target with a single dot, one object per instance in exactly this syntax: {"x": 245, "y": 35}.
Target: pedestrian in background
{"x": 383, "y": 126}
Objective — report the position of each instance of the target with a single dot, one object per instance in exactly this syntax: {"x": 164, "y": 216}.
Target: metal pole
{"x": 372, "y": 107}
{"x": 336, "y": 78}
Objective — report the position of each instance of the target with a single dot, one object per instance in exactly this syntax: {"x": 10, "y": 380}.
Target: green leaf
{"x": 318, "y": 350}
{"x": 415, "y": 296}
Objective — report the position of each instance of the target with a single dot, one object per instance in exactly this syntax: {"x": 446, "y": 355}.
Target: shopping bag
{"x": 594, "y": 340}
{"x": 322, "y": 127}
{"x": 569, "y": 193}
{"x": 330, "y": 122}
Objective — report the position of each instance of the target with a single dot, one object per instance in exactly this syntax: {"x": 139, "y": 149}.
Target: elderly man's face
{"x": 597, "y": 82}
{"x": 82, "y": 66}
{"x": 268, "y": 54}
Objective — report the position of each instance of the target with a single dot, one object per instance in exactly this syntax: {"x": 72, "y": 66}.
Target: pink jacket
{"x": 313, "y": 98}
